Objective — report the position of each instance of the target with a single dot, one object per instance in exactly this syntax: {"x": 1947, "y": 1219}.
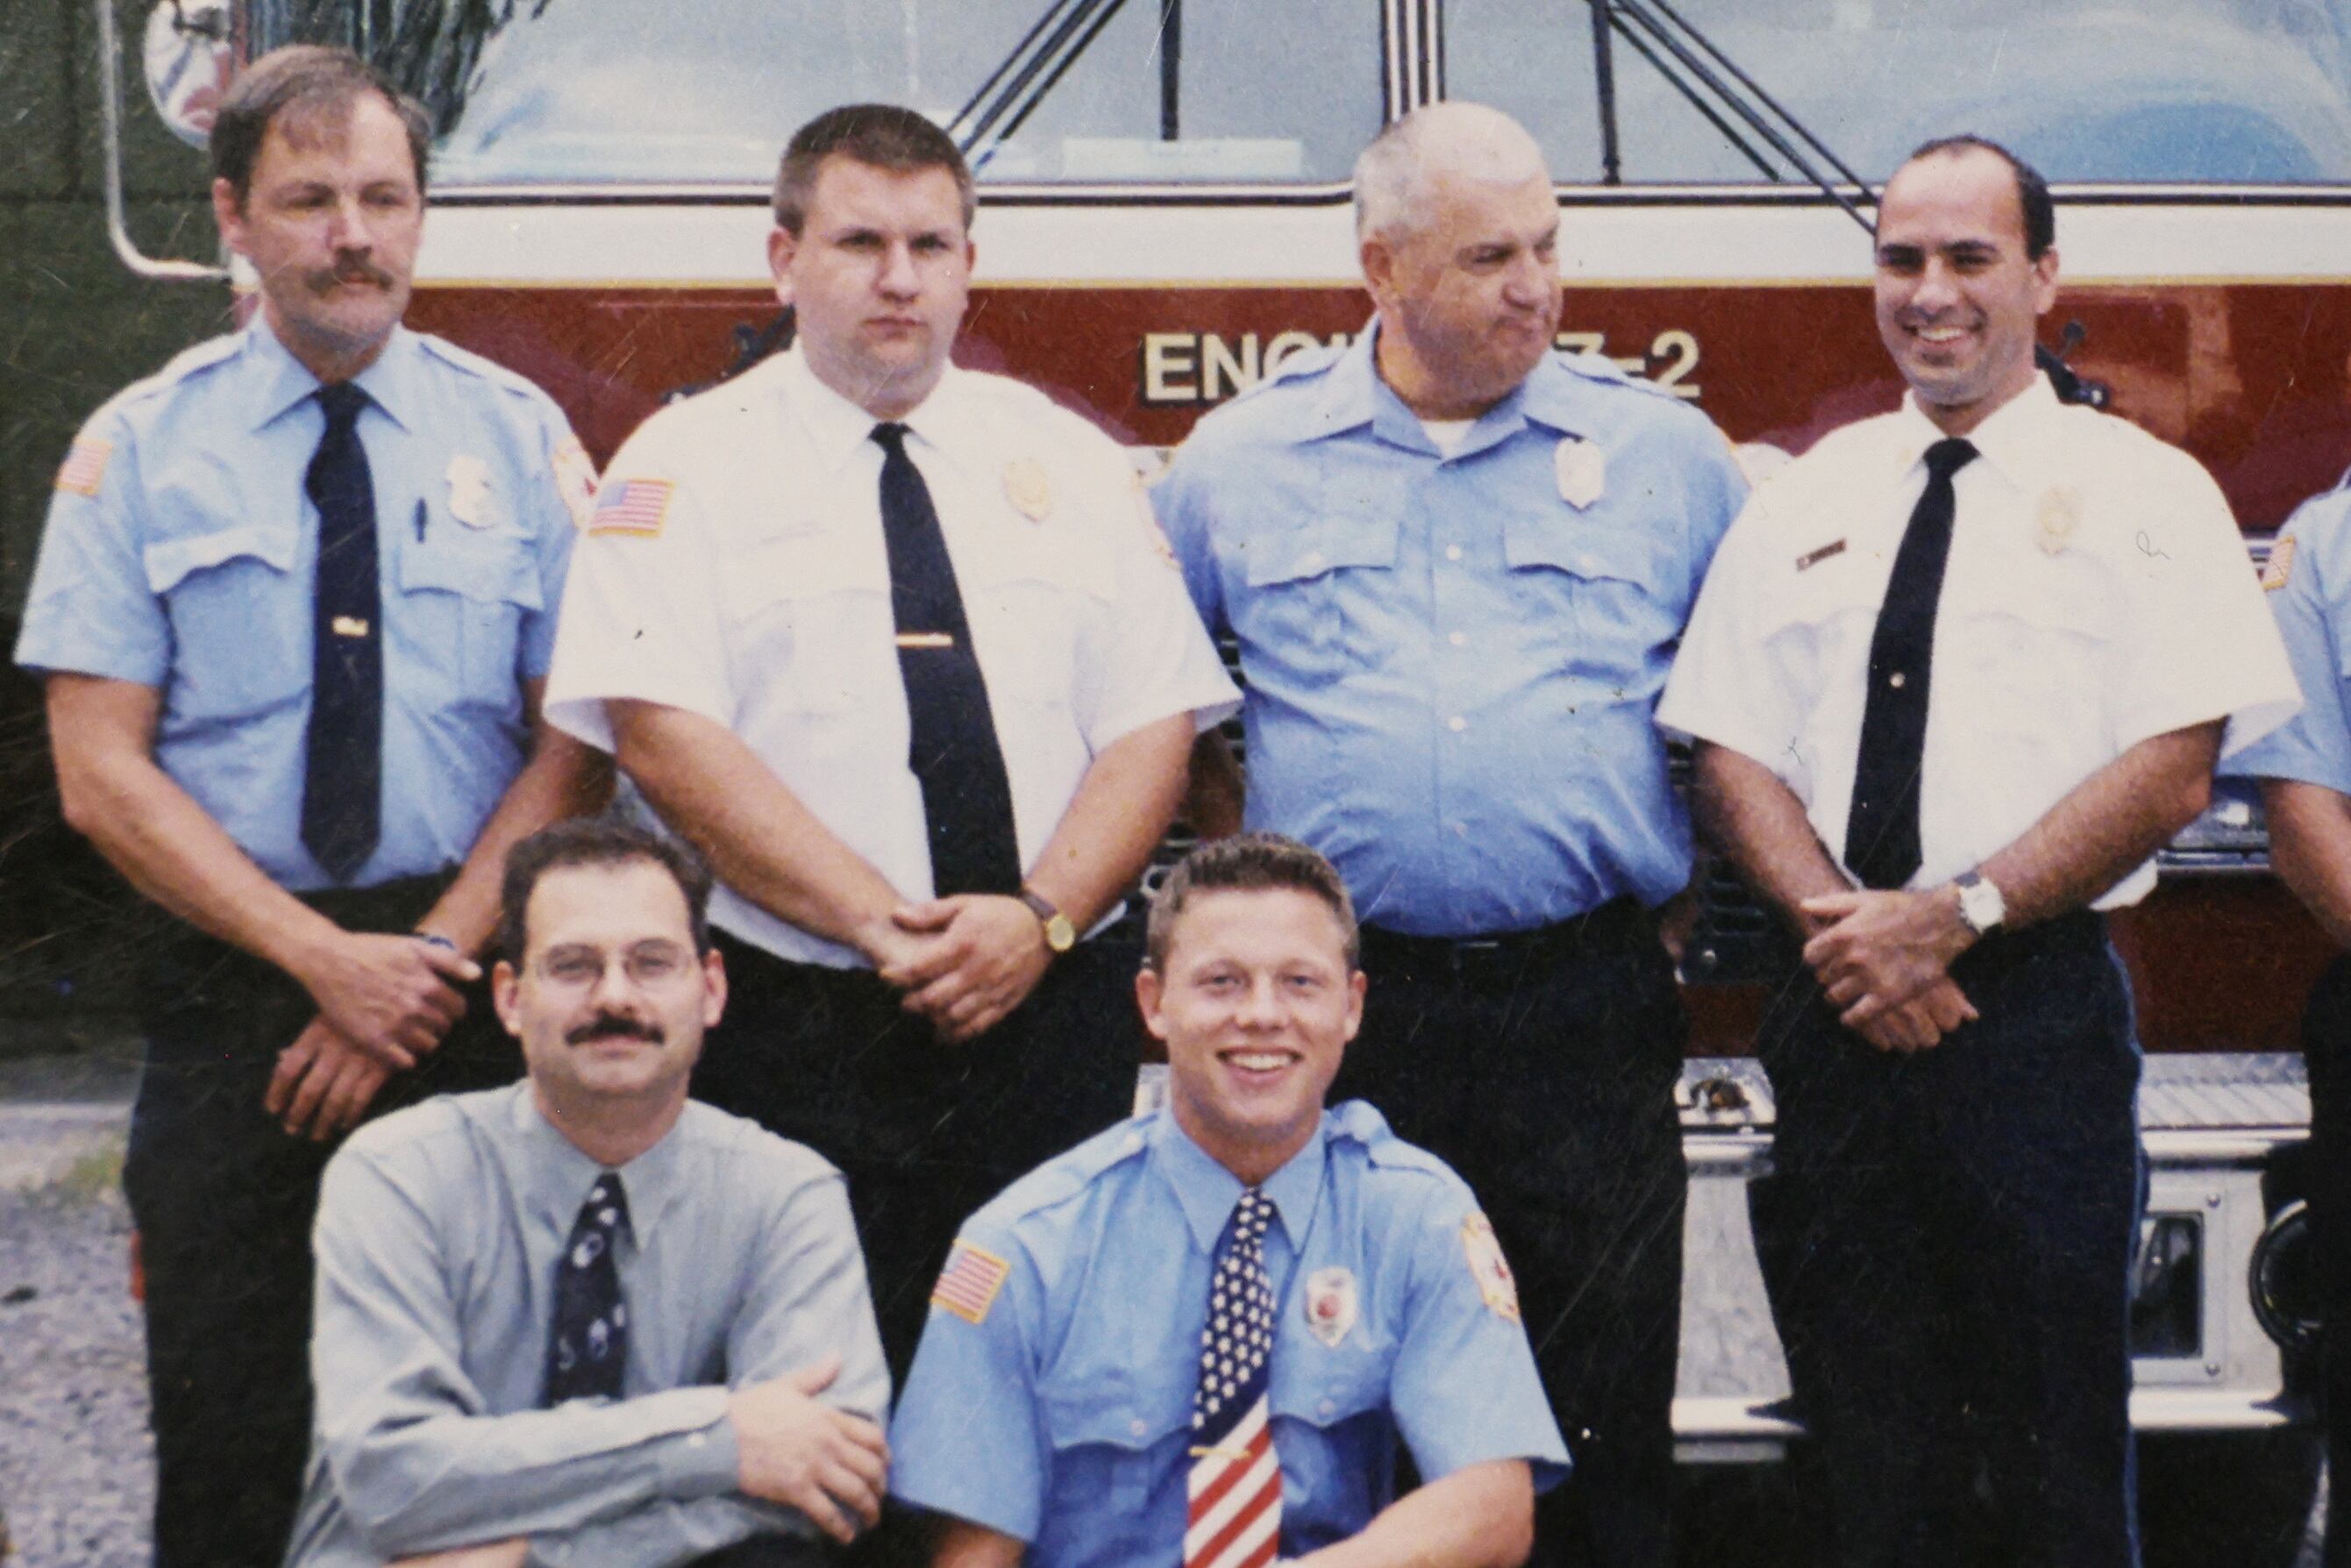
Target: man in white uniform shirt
{"x": 899, "y": 646}
{"x": 1951, "y": 1229}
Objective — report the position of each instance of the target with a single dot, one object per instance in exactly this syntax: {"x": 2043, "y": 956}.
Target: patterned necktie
{"x": 342, "y": 779}
{"x": 1235, "y": 1484}
{"x": 588, "y": 1343}
{"x": 966, "y": 797}
{"x": 1881, "y": 836}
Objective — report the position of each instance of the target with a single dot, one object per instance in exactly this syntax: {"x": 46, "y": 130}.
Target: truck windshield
{"x": 1242, "y": 93}
{"x": 619, "y": 91}
{"x": 2225, "y": 91}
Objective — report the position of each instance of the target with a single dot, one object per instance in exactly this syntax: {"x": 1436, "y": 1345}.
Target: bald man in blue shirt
{"x": 1457, "y": 565}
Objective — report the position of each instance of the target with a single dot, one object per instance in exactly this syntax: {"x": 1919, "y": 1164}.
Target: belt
{"x": 1614, "y": 926}
{"x": 2080, "y": 934}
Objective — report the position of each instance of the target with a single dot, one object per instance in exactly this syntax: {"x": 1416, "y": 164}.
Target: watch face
{"x": 1060, "y": 934}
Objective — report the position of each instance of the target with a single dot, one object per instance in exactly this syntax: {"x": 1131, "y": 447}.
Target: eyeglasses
{"x": 648, "y": 965}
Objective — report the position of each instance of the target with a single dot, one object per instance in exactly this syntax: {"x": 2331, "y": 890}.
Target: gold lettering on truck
{"x": 1197, "y": 369}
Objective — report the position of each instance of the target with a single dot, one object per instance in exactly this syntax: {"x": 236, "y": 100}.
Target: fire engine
{"x": 1163, "y": 217}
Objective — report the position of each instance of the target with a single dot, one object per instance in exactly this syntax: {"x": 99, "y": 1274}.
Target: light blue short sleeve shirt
{"x": 2309, "y": 593}
{"x": 1452, "y": 661}
{"x": 181, "y": 552}
{"x": 1058, "y": 1413}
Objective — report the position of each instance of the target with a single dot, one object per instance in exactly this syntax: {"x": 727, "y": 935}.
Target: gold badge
{"x": 2275, "y": 576}
{"x": 349, "y": 627}
{"x": 1028, "y": 489}
{"x": 1490, "y": 1268}
{"x": 2058, "y": 517}
{"x": 1331, "y": 1306}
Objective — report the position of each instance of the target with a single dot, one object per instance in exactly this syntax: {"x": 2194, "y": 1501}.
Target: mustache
{"x": 611, "y": 1025}
{"x": 347, "y": 270}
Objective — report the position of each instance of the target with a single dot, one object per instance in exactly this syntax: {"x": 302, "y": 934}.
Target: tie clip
{"x": 349, "y": 627}
{"x": 925, "y": 640}
{"x": 1217, "y": 1453}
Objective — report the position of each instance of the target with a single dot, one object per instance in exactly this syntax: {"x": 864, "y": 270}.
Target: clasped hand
{"x": 962, "y": 962}
{"x": 1885, "y": 959}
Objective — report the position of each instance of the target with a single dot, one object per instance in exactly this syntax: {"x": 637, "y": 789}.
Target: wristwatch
{"x": 1981, "y": 904}
{"x": 1060, "y": 934}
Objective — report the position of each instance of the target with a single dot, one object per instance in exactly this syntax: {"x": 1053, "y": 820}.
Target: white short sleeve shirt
{"x": 735, "y": 567}
{"x": 2099, "y": 594}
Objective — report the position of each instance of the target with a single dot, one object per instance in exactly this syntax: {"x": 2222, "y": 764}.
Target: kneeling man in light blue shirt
{"x": 1200, "y": 1337}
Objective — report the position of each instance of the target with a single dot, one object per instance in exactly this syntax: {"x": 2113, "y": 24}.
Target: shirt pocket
{"x": 1328, "y": 1387}
{"x": 1597, "y": 602}
{"x": 461, "y": 609}
{"x": 1117, "y": 1437}
{"x": 1029, "y": 606}
{"x": 806, "y": 615}
{"x": 1313, "y": 593}
{"x": 240, "y": 620}
{"x": 2036, "y": 657}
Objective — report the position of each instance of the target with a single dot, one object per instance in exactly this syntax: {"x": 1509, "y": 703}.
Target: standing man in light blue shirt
{"x": 583, "y": 1320}
{"x": 294, "y": 604}
{"x": 1200, "y": 1337}
{"x": 1457, "y": 566}
{"x": 2305, "y": 769}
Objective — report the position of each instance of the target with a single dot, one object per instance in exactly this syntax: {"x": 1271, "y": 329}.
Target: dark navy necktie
{"x": 342, "y": 781}
{"x": 953, "y": 749}
{"x": 588, "y": 1345}
{"x": 1881, "y": 837}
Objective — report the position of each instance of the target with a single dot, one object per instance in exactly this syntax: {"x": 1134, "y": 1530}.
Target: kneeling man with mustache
{"x": 582, "y": 1319}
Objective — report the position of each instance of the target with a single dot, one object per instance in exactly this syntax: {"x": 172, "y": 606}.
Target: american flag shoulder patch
{"x": 968, "y": 1284}
{"x": 632, "y": 506}
{"x": 85, "y": 465}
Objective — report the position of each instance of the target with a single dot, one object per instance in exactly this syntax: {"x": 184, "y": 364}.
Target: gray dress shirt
{"x": 438, "y": 1236}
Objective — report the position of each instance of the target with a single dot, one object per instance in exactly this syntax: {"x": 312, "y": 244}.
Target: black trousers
{"x": 1543, "y": 1073}
{"x": 1947, "y": 1241}
{"x": 926, "y": 1133}
{"x": 2326, "y": 1053}
{"x": 223, "y": 1199}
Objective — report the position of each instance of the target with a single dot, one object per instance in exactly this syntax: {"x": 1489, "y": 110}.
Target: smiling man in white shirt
{"x": 1955, "y": 1072}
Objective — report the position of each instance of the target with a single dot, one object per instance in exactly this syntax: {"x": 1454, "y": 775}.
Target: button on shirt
{"x": 181, "y": 554}
{"x": 741, "y": 573}
{"x": 2309, "y": 584}
{"x": 437, "y": 1238}
{"x": 2097, "y": 594}
{"x": 1451, "y": 668}
{"x": 1062, "y": 1416}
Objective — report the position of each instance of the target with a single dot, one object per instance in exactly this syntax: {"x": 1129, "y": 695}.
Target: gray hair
{"x": 1398, "y": 173}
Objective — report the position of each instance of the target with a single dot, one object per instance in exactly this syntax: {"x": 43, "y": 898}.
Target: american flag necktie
{"x": 1235, "y": 1484}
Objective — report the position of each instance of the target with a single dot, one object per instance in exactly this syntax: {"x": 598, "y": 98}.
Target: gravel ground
{"x": 77, "y": 1478}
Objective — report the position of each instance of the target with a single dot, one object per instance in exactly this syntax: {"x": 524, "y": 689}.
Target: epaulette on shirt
{"x": 1064, "y": 1177}
{"x": 1359, "y": 1122}
{"x": 490, "y": 371}
{"x": 186, "y": 365}
{"x": 1600, "y": 367}
{"x": 1294, "y": 366}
